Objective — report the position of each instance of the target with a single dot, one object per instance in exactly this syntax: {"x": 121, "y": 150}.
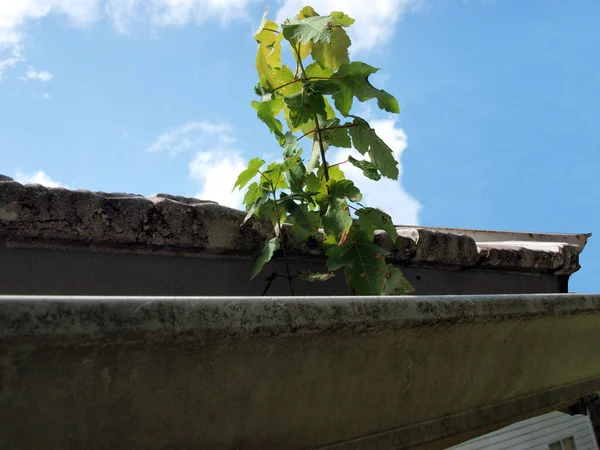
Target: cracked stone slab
{"x": 36, "y": 216}
{"x": 437, "y": 247}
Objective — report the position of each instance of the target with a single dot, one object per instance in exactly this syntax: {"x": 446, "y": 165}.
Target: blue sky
{"x": 499, "y": 102}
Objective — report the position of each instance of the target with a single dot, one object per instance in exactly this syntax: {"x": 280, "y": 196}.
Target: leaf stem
{"x": 337, "y": 127}
{"x": 338, "y": 164}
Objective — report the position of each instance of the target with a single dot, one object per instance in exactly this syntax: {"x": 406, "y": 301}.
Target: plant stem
{"x": 322, "y": 148}
{"x": 289, "y": 276}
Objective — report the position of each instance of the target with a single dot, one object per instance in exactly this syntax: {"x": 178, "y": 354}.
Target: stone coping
{"x": 79, "y": 318}
{"x": 34, "y": 216}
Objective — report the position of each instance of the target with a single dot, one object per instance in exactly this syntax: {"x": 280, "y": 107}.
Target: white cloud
{"x": 375, "y": 20}
{"x": 217, "y": 170}
{"x": 39, "y": 177}
{"x": 190, "y": 136}
{"x": 385, "y": 194}
{"x": 45, "y": 96}
{"x": 15, "y": 15}
{"x": 215, "y": 163}
{"x": 42, "y": 75}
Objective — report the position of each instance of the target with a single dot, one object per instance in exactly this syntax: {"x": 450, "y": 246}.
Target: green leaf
{"x": 275, "y": 175}
{"x": 304, "y": 106}
{"x": 334, "y": 54}
{"x": 307, "y": 11}
{"x": 368, "y": 168}
{"x": 339, "y": 18}
{"x": 395, "y": 283}
{"x": 315, "y": 70}
{"x": 250, "y": 172}
{"x": 267, "y": 111}
{"x": 289, "y": 142}
{"x": 314, "y": 276}
{"x": 337, "y": 137}
{"x": 345, "y": 189}
{"x": 365, "y": 140}
{"x": 364, "y": 263}
{"x": 254, "y": 192}
{"x": 313, "y": 161}
{"x": 337, "y": 218}
{"x": 315, "y": 29}
{"x": 355, "y": 83}
{"x": 284, "y": 76}
{"x": 305, "y": 223}
{"x": 258, "y": 202}
{"x": 272, "y": 211}
{"x": 264, "y": 256}
{"x": 372, "y": 219}
{"x": 268, "y": 55}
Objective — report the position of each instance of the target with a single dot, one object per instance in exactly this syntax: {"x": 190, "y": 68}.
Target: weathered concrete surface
{"x": 273, "y": 373}
{"x": 33, "y": 216}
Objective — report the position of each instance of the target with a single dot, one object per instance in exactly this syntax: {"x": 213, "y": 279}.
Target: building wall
{"x": 59, "y": 272}
{"x": 537, "y": 434}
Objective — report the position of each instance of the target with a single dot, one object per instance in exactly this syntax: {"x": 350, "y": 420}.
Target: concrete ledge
{"x": 294, "y": 373}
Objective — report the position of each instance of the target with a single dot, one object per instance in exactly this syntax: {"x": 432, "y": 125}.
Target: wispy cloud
{"x": 375, "y": 20}
{"x": 39, "y": 177}
{"x": 42, "y": 75}
{"x": 215, "y": 162}
{"x": 123, "y": 14}
{"x": 190, "y": 136}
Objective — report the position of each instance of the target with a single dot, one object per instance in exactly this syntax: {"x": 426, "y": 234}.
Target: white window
{"x": 564, "y": 444}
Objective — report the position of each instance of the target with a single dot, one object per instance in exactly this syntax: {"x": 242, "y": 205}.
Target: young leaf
{"x": 275, "y": 173}
{"x": 268, "y": 55}
{"x": 339, "y": 18}
{"x": 282, "y": 81}
{"x": 365, "y": 140}
{"x": 264, "y": 256}
{"x": 250, "y": 172}
{"x": 315, "y": 70}
{"x": 368, "y": 168}
{"x": 394, "y": 282}
{"x": 267, "y": 111}
{"x": 355, "y": 83}
{"x": 335, "y": 53}
{"x": 315, "y": 29}
{"x": 307, "y": 11}
{"x": 314, "y": 276}
{"x": 372, "y": 219}
{"x": 364, "y": 263}
{"x": 254, "y": 192}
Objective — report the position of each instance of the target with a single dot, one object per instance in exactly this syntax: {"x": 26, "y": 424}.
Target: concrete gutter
{"x": 293, "y": 373}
